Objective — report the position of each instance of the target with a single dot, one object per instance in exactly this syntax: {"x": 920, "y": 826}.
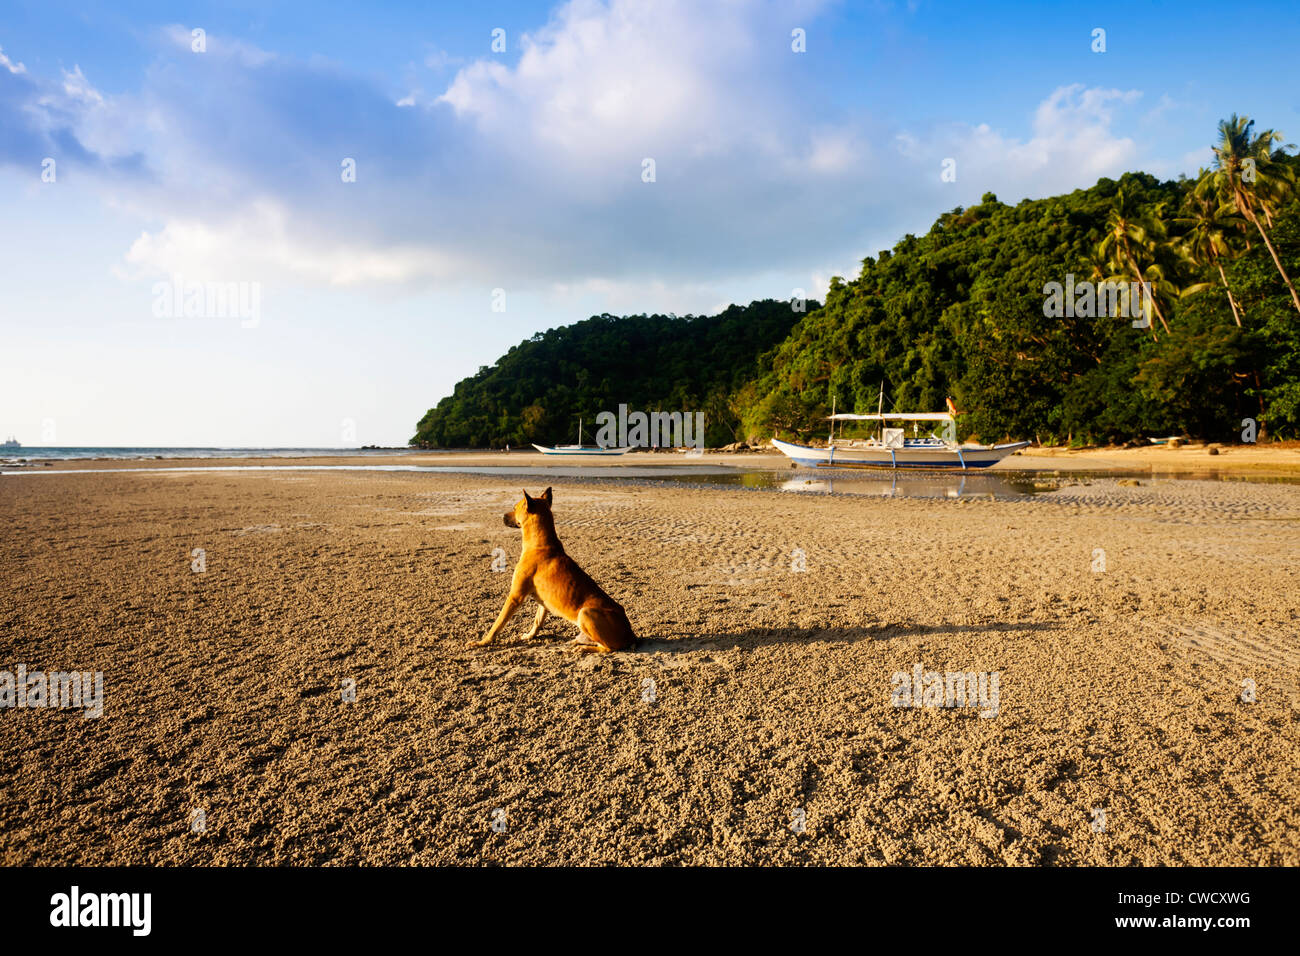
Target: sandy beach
{"x": 756, "y": 723}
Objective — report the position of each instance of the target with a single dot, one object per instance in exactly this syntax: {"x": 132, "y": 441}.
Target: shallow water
{"x": 983, "y": 484}
{"x": 130, "y": 453}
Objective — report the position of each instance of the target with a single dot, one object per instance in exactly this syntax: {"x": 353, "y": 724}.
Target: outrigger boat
{"x": 892, "y": 449}
{"x": 580, "y": 448}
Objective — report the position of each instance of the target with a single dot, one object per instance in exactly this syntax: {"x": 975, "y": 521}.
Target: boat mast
{"x": 880, "y": 410}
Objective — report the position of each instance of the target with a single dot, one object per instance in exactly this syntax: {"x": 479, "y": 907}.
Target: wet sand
{"x": 759, "y": 698}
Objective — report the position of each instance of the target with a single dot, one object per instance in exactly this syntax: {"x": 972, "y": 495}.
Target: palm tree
{"x": 1246, "y": 175}
{"x": 1208, "y": 241}
{"x": 1130, "y": 249}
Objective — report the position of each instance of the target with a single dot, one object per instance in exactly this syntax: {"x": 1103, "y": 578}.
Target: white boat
{"x": 580, "y": 448}
{"x": 892, "y": 449}
{"x": 11, "y": 443}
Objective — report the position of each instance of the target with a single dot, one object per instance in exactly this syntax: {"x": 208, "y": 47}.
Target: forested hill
{"x": 960, "y": 312}
{"x": 539, "y": 389}
{"x": 963, "y": 312}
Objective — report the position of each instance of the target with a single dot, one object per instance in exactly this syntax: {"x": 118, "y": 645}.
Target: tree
{"x": 1249, "y": 175}
{"x": 1130, "y": 249}
{"x": 1208, "y": 240}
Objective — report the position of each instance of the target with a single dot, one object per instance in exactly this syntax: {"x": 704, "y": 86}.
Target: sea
{"x": 62, "y": 453}
{"x": 1000, "y": 484}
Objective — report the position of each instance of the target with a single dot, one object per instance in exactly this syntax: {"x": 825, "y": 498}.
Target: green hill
{"x": 960, "y": 312}
{"x": 539, "y": 389}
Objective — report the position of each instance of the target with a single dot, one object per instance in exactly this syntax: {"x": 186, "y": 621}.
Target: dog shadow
{"x": 666, "y": 643}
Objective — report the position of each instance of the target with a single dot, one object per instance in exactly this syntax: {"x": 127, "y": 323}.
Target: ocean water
{"x": 60, "y": 453}
{"x": 889, "y": 484}
{"x": 905, "y": 484}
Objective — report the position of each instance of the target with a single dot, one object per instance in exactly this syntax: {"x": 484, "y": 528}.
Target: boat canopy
{"x": 892, "y": 417}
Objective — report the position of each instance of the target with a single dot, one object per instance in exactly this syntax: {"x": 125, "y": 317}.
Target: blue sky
{"x": 520, "y": 171}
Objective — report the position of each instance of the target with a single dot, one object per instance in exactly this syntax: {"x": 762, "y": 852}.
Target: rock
{"x": 1213, "y": 449}
{"x": 1175, "y": 443}
{"x": 1129, "y": 483}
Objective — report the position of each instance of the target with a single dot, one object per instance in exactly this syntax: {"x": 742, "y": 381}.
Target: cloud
{"x": 9, "y": 64}
{"x": 523, "y": 174}
{"x": 183, "y": 40}
{"x": 260, "y": 244}
{"x": 77, "y": 89}
{"x": 528, "y": 172}
{"x": 40, "y": 118}
{"x": 600, "y": 83}
{"x": 1072, "y": 144}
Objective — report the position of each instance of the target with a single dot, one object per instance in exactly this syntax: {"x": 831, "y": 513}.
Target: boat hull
{"x": 941, "y": 457}
{"x": 586, "y": 452}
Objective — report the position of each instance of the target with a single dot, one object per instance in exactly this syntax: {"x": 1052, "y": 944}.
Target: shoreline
{"x": 1195, "y": 460}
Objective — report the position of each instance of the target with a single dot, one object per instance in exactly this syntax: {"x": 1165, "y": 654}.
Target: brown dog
{"x": 546, "y": 573}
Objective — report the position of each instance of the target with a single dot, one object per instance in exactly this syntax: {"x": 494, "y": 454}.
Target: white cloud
{"x": 527, "y": 173}
{"x": 76, "y": 87}
{"x": 833, "y": 151}
{"x": 9, "y": 64}
{"x": 261, "y": 245}
{"x": 602, "y": 86}
{"x": 1072, "y": 144}
{"x": 182, "y": 38}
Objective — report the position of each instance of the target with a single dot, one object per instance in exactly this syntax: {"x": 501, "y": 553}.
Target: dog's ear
{"x": 528, "y": 500}
{"x": 546, "y": 496}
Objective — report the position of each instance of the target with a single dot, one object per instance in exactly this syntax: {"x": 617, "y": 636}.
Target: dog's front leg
{"x": 537, "y": 623}
{"x": 512, "y": 604}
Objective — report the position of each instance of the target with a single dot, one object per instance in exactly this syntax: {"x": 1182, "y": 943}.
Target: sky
{"x": 260, "y": 224}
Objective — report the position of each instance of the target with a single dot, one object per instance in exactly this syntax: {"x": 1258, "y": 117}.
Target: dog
{"x": 546, "y": 573}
